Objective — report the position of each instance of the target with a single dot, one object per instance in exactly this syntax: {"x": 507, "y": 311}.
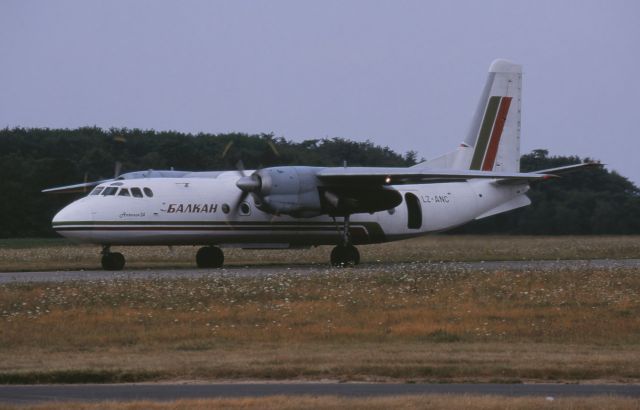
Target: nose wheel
{"x": 112, "y": 260}
{"x": 345, "y": 254}
{"x": 209, "y": 257}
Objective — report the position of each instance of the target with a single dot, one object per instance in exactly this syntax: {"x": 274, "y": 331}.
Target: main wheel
{"x": 342, "y": 256}
{"x": 209, "y": 257}
{"x": 112, "y": 261}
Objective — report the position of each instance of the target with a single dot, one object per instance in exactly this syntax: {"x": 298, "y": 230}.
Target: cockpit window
{"x": 97, "y": 190}
{"x": 136, "y": 192}
{"x": 123, "y": 192}
{"x": 148, "y": 192}
{"x": 110, "y": 191}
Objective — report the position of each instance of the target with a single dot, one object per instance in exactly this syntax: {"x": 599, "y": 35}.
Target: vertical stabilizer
{"x": 494, "y": 134}
{"x": 493, "y": 139}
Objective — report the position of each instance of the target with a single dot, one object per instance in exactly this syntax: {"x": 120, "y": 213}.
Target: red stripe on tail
{"x": 494, "y": 142}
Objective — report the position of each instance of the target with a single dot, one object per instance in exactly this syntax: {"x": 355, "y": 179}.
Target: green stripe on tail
{"x": 485, "y": 132}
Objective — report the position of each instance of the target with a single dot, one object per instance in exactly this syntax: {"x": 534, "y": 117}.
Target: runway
{"x": 166, "y": 392}
{"x": 309, "y": 269}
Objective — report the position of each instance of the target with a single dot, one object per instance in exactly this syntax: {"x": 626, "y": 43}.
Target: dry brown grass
{"x": 395, "y": 361}
{"x": 47, "y": 255}
{"x": 413, "y": 321}
{"x": 434, "y": 402}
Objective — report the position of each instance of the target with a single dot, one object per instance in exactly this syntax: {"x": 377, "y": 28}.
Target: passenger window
{"x": 148, "y": 192}
{"x": 97, "y": 190}
{"x": 136, "y": 192}
{"x": 124, "y": 192}
{"x": 110, "y": 191}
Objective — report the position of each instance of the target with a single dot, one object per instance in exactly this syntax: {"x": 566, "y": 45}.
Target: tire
{"x": 113, "y": 261}
{"x": 337, "y": 257}
{"x": 353, "y": 255}
{"x": 209, "y": 257}
{"x": 343, "y": 256}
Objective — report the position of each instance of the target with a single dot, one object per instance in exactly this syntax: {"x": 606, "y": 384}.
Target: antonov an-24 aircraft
{"x": 300, "y": 206}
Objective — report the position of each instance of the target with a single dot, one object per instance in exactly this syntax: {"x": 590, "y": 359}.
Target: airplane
{"x": 301, "y": 206}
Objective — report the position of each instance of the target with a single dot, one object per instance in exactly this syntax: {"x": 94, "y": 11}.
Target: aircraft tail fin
{"x": 494, "y": 133}
{"x": 493, "y": 139}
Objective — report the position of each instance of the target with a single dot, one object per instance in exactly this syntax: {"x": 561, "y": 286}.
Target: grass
{"x": 405, "y": 322}
{"x": 81, "y": 376}
{"x": 368, "y": 403}
{"x": 59, "y": 254}
{"x": 25, "y": 243}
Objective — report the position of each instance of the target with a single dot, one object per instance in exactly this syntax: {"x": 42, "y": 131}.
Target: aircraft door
{"x": 414, "y": 211}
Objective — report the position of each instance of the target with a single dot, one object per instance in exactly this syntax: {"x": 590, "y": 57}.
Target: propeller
{"x": 243, "y": 193}
{"x": 247, "y": 184}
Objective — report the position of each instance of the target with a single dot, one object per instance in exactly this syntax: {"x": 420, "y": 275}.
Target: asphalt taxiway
{"x": 310, "y": 269}
{"x": 165, "y": 392}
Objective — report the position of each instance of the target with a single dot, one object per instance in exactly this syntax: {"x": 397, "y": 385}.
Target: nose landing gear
{"x": 111, "y": 260}
{"x": 209, "y": 257}
{"x": 345, "y": 254}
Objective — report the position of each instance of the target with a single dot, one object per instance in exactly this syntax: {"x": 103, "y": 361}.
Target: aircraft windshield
{"x": 134, "y": 192}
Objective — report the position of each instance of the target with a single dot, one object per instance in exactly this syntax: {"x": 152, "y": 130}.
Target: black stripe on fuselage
{"x": 371, "y": 230}
{"x": 198, "y": 223}
{"x": 197, "y": 228}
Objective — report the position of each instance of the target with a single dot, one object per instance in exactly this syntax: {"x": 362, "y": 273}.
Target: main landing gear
{"x": 111, "y": 260}
{"x": 345, "y": 254}
{"x": 209, "y": 257}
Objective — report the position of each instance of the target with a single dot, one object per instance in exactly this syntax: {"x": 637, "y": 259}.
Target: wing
{"x": 85, "y": 187}
{"x": 364, "y": 189}
{"x": 75, "y": 188}
{"x": 401, "y": 176}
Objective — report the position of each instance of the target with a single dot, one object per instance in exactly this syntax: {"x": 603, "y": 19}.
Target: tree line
{"x": 594, "y": 201}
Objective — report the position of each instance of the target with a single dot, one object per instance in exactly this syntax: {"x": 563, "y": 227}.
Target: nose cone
{"x": 74, "y": 221}
{"x": 250, "y": 183}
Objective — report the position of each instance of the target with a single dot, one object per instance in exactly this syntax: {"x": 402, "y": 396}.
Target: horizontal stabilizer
{"x": 569, "y": 168}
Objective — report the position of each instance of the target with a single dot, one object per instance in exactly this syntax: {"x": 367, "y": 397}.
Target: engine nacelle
{"x": 288, "y": 190}
{"x": 297, "y": 191}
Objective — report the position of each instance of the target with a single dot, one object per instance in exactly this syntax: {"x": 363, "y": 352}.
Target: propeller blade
{"x": 273, "y": 148}
{"x": 227, "y": 148}
{"x": 86, "y": 179}
{"x": 240, "y": 168}
{"x": 118, "y": 168}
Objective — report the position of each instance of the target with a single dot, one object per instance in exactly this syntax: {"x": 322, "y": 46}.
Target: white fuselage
{"x": 185, "y": 211}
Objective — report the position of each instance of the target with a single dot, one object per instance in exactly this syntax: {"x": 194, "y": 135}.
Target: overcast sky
{"x": 403, "y": 74}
